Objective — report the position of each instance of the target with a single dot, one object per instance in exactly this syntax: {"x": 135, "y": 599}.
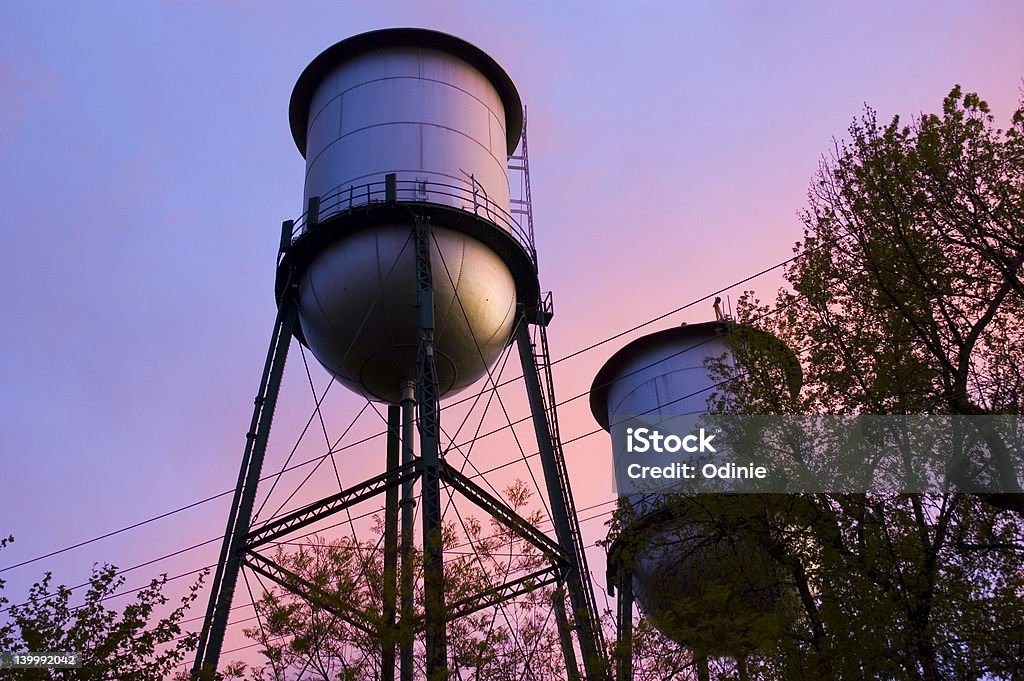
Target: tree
{"x": 112, "y": 645}
{"x": 907, "y": 293}
{"x": 906, "y": 298}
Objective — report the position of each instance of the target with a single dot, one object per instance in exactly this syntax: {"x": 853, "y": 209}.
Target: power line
{"x": 545, "y": 521}
{"x": 116, "y": 532}
{"x": 366, "y": 439}
{"x": 479, "y": 474}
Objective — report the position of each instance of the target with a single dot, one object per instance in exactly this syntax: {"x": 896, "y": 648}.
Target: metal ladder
{"x": 523, "y": 206}
{"x": 543, "y": 358}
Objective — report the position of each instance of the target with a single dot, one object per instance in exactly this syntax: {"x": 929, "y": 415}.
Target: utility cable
{"x": 519, "y": 460}
{"x": 509, "y": 381}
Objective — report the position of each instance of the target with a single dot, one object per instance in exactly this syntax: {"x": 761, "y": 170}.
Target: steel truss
{"x": 565, "y": 555}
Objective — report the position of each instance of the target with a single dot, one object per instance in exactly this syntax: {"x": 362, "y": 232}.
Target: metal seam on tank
{"x": 454, "y": 383}
{"x": 669, "y": 360}
{"x": 380, "y": 284}
{"x": 382, "y": 280}
{"x": 502, "y": 124}
{"x": 439, "y": 82}
{"x": 309, "y": 123}
{"x": 458, "y": 284}
{"x": 502, "y": 163}
{"x": 375, "y": 173}
{"x": 659, "y": 396}
{"x": 341, "y": 116}
{"x": 333, "y": 77}
{"x": 646, "y": 386}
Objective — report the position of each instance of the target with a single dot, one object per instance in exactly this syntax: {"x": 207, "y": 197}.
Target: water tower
{"x": 672, "y": 549}
{"x": 406, "y": 277}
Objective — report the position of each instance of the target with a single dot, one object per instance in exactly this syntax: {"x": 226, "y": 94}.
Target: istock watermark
{"x": 694, "y": 454}
{"x": 647, "y": 439}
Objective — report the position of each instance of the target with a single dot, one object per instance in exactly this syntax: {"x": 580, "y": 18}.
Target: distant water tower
{"x": 406, "y": 277}
{"x": 672, "y": 549}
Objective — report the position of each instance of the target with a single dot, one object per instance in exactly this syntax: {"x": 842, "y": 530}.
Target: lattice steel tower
{"x": 410, "y": 272}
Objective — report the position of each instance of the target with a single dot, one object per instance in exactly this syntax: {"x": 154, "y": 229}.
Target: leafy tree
{"x": 113, "y": 645}
{"x": 906, "y": 298}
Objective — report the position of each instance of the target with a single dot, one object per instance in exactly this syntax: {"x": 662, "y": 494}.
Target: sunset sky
{"x": 147, "y": 165}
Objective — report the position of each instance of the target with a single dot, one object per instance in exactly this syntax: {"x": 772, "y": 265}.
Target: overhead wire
{"x": 481, "y": 474}
{"x": 490, "y": 376}
{"x": 376, "y": 435}
{"x": 510, "y": 424}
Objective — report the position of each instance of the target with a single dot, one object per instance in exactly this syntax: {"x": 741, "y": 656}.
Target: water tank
{"x": 697, "y": 574}
{"x": 400, "y": 125}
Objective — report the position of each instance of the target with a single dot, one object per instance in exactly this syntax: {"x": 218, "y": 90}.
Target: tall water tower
{"x": 674, "y": 549}
{"x": 406, "y": 277}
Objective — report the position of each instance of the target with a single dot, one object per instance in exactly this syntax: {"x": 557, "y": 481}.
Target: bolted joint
{"x": 408, "y": 391}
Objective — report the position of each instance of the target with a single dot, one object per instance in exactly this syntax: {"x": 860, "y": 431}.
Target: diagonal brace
{"x": 505, "y": 592}
{"x": 500, "y": 510}
{"x": 333, "y": 504}
{"x": 316, "y": 595}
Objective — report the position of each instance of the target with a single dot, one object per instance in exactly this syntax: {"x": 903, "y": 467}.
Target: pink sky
{"x": 147, "y": 165}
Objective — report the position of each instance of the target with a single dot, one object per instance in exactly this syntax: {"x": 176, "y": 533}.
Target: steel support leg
{"x": 572, "y": 669}
{"x": 584, "y": 618}
{"x": 433, "y": 551}
{"x": 390, "y": 590}
{"x": 624, "y": 627}
{"x": 222, "y": 589}
{"x": 406, "y": 628}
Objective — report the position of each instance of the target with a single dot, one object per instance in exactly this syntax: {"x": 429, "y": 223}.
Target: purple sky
{"x": 147, "y": 165}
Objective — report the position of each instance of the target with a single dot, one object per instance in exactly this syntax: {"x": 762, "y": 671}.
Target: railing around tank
{"x": 469, "y": 197}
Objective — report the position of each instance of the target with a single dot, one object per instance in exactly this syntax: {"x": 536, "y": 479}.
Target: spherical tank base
{"x": 357, "y": 296}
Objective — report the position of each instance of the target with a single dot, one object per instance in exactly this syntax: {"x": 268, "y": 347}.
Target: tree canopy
{"x": 143, "y": 642}
{"x": 905, "y": 297}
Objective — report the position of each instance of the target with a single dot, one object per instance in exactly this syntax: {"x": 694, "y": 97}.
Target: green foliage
{"x": 907, "y": 298}
{"x": 113, "y": 645}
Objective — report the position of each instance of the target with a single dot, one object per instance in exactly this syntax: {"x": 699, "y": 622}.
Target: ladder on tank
{"x": 542, "y": 356}
{"x": 588, "y": 619}
{"x": 522, "y": 206}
